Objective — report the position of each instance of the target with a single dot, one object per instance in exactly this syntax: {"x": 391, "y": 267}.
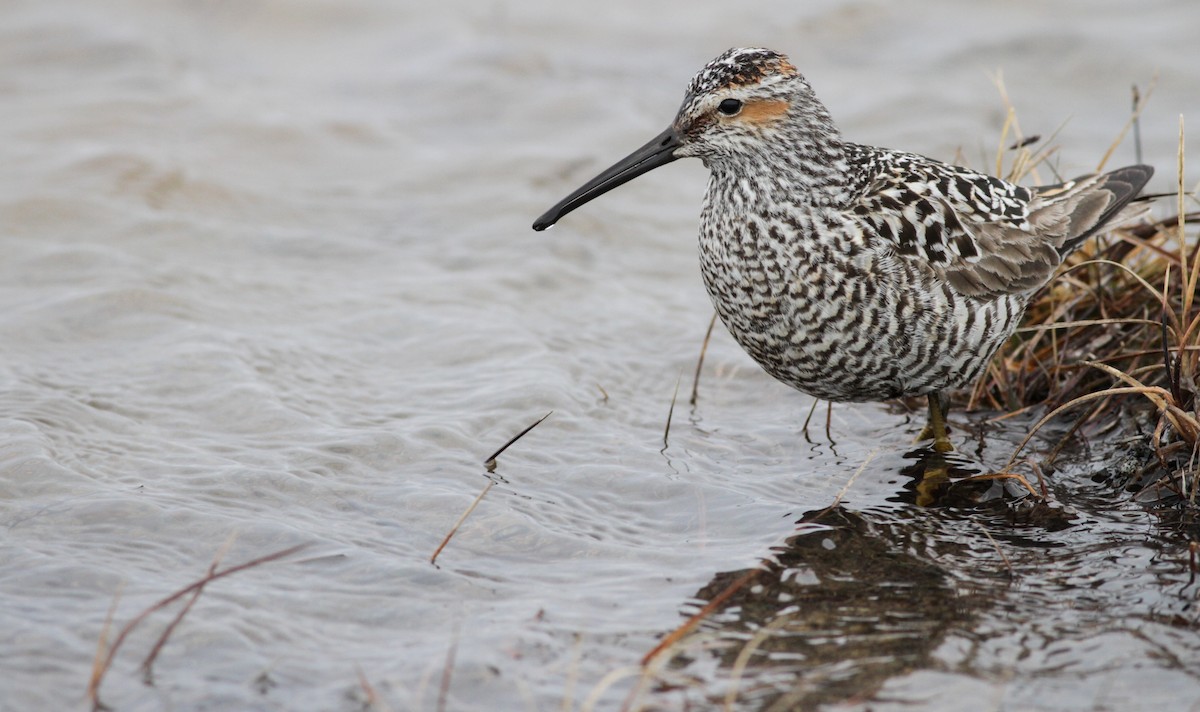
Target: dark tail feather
{"x": 1124, "y": 184}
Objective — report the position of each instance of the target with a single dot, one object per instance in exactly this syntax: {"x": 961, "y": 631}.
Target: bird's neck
{"x": 805, "y": 167}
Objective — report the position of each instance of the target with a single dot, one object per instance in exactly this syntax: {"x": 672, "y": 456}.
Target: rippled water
{"x": 268, "y": 274}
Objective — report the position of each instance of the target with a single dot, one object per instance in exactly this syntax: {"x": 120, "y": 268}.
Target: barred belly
{"x": 852, "y": 328}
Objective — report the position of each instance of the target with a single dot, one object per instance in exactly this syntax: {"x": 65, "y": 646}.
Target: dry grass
{"x": 105, "y": 653}
{"x": 1116, "y": 336}
{"x": 490, "y": 464}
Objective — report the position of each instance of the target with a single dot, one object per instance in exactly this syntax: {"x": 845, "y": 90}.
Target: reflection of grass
{"x": 1121, "y": 319}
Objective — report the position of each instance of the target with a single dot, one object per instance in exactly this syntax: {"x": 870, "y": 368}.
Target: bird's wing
{"x": 988, "y": 237}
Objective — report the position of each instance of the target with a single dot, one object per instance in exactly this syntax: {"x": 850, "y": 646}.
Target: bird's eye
{"x": 730, "y": 107}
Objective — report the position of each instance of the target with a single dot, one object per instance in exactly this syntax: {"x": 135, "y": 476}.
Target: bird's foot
{"x": 941, "y": 441}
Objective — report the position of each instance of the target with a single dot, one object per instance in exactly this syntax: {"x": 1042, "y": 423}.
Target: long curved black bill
{"x": 660, "y": 151}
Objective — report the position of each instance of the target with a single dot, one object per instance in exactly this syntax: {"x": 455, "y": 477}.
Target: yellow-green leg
{"x": 935, "y": 474}
{"x": 936, "y": 426}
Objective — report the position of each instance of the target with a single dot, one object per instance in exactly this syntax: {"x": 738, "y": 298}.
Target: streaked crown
{"x": 740, "y": 67}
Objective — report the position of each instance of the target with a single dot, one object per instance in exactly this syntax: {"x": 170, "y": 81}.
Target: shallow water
{"x": 268, "y": 273}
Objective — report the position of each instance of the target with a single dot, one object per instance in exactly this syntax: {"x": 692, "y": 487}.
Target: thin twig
{"x": 462, "y": 518}
{"x": 700, "y": 615}
{"x": 999, "y": 551}
{"x": 846, "y": 487}
{"x": 811, "y": 410}
{"x": 373, "y": 701}
{"x": 700, "y": 361}
{"x": 148, "y": 663}
{"x": 1143, "y": 390}
{"x": 1137, "y": 124}
{"x": 100, "y": 670}
{"x": 572, "y": 674}
{"x": 671, "y": 412}
{"x": 1129, "y": 124}
{"x": 448, "y": 668}
{"x": 1037, "y": 470}
{"x": 762, "y": 635}
{"x": 100, "y": 660}
{"x": 1193, "y": 555}
{"x": 490, "y": 462}
{"x": 1195, "y": 472}
{"x": 1062, "y": 442}
{"x": 1189, "y": 284}
{"x": 1005, "y": 476}
{"x": 1010, "y": 118}
{"x": 1185, "y": 423}
{"x": 1172, "y": 375}
{"x": 1084, "y": 322}
{"x": 610, "y": 679}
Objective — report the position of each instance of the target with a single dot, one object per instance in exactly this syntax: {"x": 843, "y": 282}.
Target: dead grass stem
{"x": 105, "y": 654}
{"x": 1121, "y": 319}
{"x": 490, "y": 464}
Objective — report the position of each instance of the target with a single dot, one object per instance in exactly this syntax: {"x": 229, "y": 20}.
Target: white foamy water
{"x": 268, "y": 273}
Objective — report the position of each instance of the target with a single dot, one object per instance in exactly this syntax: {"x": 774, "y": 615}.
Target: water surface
{"x": 268, "y": 273}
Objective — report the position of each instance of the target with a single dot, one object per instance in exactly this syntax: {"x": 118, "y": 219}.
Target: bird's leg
{"x": 934, "y": 472}
{"x": 936, "y": 426}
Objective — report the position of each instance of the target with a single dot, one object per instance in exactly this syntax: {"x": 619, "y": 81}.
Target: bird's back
{"x": 985, "y": 236}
